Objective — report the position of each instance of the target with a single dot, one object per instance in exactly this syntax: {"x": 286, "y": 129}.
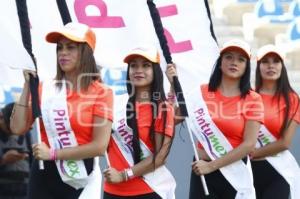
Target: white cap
{"x": 150, "y": 53}
{"x": 77, "y": 32}
{"x": 237, "y": 44}
{"x": 268, "y": 49}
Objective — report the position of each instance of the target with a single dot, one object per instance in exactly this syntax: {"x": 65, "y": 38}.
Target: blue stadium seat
{"x": 268, "y": 8}
{"x": 247, "y": 1}
{"x": 294, "y": 29}
{"x": 295, "y": 8}
{"x": 285, "y": 1}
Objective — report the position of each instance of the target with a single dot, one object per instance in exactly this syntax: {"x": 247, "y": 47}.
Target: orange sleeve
{"x": 168, "y": 129}
{"x": 294, "y": 112}
{"x": 103, "y": 106}
{"x": 254, "y": 108}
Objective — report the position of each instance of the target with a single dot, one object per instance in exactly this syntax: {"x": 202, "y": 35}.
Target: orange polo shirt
{"x": 137, "y": 186}
{"x": 274, "y": 112}
{"x": 231, "y": 113}
{"x": 82, "y": 107}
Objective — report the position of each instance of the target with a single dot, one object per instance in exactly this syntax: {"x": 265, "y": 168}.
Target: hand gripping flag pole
{"x": 34, "y": 81}
{"x": 177, "y": 87}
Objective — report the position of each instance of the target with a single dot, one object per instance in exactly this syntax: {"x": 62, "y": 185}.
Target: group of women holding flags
{"x": 236, "y": 127}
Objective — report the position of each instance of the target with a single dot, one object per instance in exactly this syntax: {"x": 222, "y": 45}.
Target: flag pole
{"x": 177, "y": 87}
{"x": 34, "y": 81}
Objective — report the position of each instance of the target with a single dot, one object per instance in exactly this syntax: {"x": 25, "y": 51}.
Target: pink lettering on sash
{"x": 175, "y": 47}
{"x": 63, "y": 135}
{"x": 101, "y": 21}
{"x": 124, "y": 133}
{"x": 212, "y": 141}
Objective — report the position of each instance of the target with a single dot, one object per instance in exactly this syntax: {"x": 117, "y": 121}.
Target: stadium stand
{"x": 260, "y": 22}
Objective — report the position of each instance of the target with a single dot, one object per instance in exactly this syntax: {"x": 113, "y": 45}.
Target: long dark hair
{"x": 216, "y": 77}
{"x": 283, "y": 88}
{"x": 86, "y": 65}
{"x": 158, "y": 101}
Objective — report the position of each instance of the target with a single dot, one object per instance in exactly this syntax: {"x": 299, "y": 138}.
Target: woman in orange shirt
{"x": 143, "y": 134}
{"x": 225, "y": 114}
{"x": 282, "y": 115}
{"x": 76, "y": 116}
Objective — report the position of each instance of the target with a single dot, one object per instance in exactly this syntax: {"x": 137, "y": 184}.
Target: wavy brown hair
{"x": 86, "y": 67}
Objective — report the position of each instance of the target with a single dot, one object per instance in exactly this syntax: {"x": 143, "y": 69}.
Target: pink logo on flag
{"x": 102, "y": 21}
{"x": 175, "y": 47}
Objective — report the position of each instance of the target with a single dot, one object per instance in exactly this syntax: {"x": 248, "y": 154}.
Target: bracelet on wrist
{"x": 171, "y": 95}
{"x": 124, "y": 176}
{"x": 53, "y": 154}
{"x": 171, "y": 98}
{"x": 129, "y": 173}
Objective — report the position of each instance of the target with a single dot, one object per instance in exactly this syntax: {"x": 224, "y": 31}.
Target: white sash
{"x": 283, "y": 162}
{"x": 160, "y": 180}
{"x": 216, "y": 145}
{"x": 93, "y": 189}
{"x": 60, "y": 135}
